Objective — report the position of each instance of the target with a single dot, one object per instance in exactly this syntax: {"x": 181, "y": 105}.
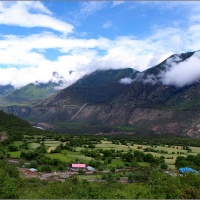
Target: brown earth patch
{"x": 51, "y": 149}
{"x": 3, "y": 136}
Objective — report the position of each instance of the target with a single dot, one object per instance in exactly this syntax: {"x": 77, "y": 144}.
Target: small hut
{"x": 185, "y": 170}
{"x": 78, "y": 166}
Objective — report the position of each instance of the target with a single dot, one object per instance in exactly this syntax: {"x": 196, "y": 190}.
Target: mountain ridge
{"x": 100, "y": 98}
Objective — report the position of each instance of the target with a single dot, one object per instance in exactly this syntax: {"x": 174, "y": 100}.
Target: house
{"x": 91, "y": 169}
{"x": 184, "y": 170}
{"x": 78, "y": 166}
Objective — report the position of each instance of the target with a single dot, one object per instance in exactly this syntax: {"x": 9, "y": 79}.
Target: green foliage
{"x": 146, "y": 184}
{"x": 13, "y": 147}
{"x": 33, "y": 164}
{"x": 46, "y": 168}
{"x": 31, "y": 92}
{"x": 192, "y": 161}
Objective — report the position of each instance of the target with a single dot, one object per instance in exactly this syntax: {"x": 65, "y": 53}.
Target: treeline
{"x": 155, "y": 139}
{"x": 156, "y": 185}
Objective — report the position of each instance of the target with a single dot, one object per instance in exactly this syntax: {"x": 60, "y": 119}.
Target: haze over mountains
{"x": 163, "y": 99}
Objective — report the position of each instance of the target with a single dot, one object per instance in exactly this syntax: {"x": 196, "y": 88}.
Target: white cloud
{"x": 126, "y": 81}
{"x": 83, "y": 56}
{"x": 31, "y": 14}
{"x": 183, "y": 73}
{"x": 89, "y": 8}
{"x": 117, "y": 3}
{"x": 78, "y": 55}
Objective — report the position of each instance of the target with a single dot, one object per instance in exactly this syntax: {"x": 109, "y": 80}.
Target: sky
{"x": 75, "y": 38}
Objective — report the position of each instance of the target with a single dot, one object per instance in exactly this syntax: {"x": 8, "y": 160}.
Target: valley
{"x": 100, "y": 101}
{"x": 133, "y": 159}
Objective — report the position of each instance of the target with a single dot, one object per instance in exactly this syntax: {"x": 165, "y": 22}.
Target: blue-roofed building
{"x": 184, "y": 170}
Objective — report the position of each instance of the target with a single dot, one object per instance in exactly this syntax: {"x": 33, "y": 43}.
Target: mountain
{"x": 5, "y": 90}
{"x": 31, "y": 92}
{"x": 98, "y": 87}
{"x": 145, "y": 104}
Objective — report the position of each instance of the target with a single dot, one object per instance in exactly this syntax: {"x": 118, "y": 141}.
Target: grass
{"x": 18, "y": 143}
{"x": 116, "y": 162}
{"x": 52, "y": 143}
{"x": 59, "y": 156}
{"x": 90, "y": 177}
{"x": 33, "y": 145}
{"x": 108, "y": 145}
{"x": 15, "y": 154}
{"x": 68, "y": 156}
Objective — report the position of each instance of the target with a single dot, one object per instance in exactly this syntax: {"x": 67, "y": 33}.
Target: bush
{"x": 12, "y": 148}
{"x": 80, "y": 171}
{"x": 164, "y": 166}
{"x": 33, "y": 164}
{"x": 46, "y": 168}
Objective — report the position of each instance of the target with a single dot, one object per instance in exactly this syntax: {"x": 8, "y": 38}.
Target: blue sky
{"x": 40, "y": 37}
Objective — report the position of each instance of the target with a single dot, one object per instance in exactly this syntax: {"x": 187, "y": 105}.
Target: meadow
{"x": 170, "y": 153}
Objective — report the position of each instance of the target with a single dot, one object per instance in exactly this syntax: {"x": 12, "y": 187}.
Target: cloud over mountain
{"x": 45, "y": 41}
{"x": 183, "y": 73}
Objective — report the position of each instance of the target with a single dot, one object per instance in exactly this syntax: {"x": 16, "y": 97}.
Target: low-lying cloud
{"x": 183, "y": 73}
{"x": 126, "y": 81}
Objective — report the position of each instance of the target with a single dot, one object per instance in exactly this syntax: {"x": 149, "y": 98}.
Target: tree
{"x": 181, "y": 162}
{"x": 46, "y": 168}
{"x": 13, "y": 147}
{"x": 164, "y": 165}
{"x": 33, "y": 164}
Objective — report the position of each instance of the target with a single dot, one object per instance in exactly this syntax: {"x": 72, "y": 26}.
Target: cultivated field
{"x": 169, "y": 152}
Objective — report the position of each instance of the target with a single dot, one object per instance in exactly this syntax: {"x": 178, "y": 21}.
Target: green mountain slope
{"x": 30, "y": 93}
{"x": 5, "y": 90}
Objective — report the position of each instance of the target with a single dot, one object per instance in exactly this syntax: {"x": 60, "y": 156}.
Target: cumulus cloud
{"x": 77, "y": 57}
{"x": 31, "y": 14}
{"x": 183, "y": 73}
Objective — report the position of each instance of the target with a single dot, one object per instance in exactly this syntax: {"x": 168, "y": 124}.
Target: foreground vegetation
{"x": 157, "y": 186}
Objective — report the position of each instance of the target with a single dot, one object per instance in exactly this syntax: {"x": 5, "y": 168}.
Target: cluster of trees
{"x": 155, "y": 139}
{"x": 192, "y": 161}
{"x": 149, "y": 149}
{"x": 130, "y": 158}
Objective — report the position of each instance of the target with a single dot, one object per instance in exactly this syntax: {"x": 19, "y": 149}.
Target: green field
{"x": 173, "y": 151}
{"x": 33, "y": 145}
{"x": 90, "y": 177}
{"x": 108, "y": 145}
{"x": 18, "y": 143}
{"x": 51, "y": 143}
{"x": 68, "y": 156}
{"x": 15, "y": 154}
